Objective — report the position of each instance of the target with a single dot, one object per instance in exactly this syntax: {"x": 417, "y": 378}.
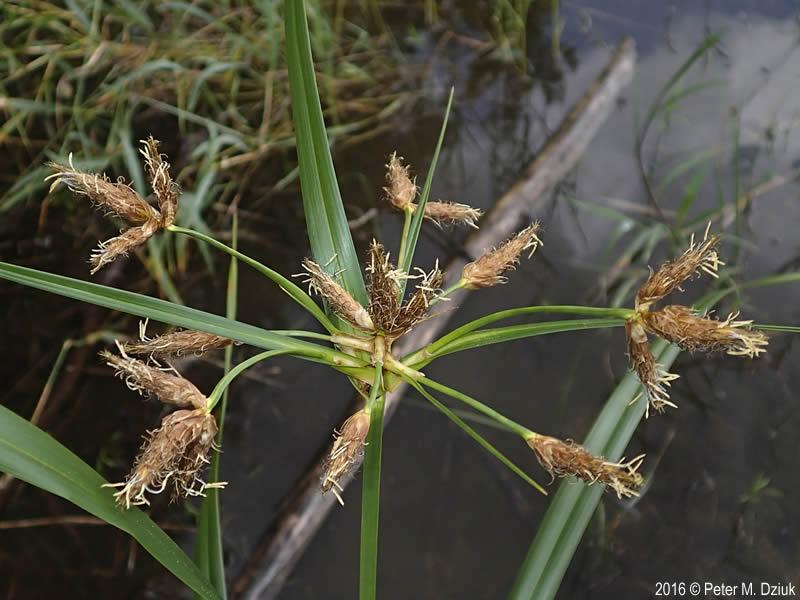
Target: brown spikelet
{"x": 400, "y": 188}
{"x": 342, "y": 302}
{"x": 390, "y": 316}
{"x": 698, "y": 257}
{"x": 346, "y": 452}
{"x": 164, "y": 188}
{"x": 109, "y": 250}
{"x": 172, "y": 456}
{"x": 489, "y": 270}
{"x": 115, "y": 198}
{"x": 451, "y": 213}
{"x": 176, "y": 343}
{"x": 565, "y": 459}
{"x": 149, "y": 380}
{"x": 693, "y": 331}
{"x": 382, "y": 287}
{"x": 653, "y": 378}
{"x": 415, "y": 309}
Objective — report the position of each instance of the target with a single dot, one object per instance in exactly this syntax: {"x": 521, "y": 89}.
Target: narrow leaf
{"x": 167, "y": 312}
{"x": 328, "y": 230}
{"x": 30, "y": 454}
{"x": 412, "y": 236}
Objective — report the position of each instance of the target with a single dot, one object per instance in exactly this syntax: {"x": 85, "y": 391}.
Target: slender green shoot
{"x": 371, "y": 491}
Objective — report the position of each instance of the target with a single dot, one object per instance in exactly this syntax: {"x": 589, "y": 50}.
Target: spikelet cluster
{"x": 694, "y": 331}
{"x": 391, "y": 317}
{"x": 655, "y": 380}
{"x": 339, "y": 299}
{"x": 681, "y": 325}
{"x": 346, "y": 453}
{"x": 118, "y": 198}
{"x": 401, "y": 191}
{"x": 173, "y": 456}
{"x": 490, "y": 269}
{"x": 563, "y": 459}
{"x": 175, "y": 343}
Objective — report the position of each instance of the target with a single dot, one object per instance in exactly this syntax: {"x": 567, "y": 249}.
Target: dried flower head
{"x": 490, "y": 268}
{"x": 109, "y": 250}
{"x": 148, "y": 380}
{"x": 172, "y": 456}
{"x": 383, "y": 287}
{"x": 654, "y": 379}
{"x": 400, "y": 189}
{"x": 694, "y": 331}
{"x": 389, "y": 315}
{"x": 563, "y": 459}
{"x": 164, "y": 188}
{"x": 340, "y": 300}
{"x": 113, "y": 198}
{"x": 698, "y": 257}
{"x": 451, "y": 213}
{"x": 175, "y": 343}
{"x": 346, "y": 452}
{"x": 120, "y": 199}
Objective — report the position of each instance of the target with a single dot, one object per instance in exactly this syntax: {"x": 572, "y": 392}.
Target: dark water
{"x": 455, "y": 523}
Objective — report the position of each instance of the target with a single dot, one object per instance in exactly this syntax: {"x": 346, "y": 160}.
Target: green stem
{"x": 371, "y": 490}
{"x": 456, "y": 286}
{"x": 289, "y": 287}
{"x": 236, "y": 371}
{"x": 208, "y": 547}
{"x": 512, "y": 426}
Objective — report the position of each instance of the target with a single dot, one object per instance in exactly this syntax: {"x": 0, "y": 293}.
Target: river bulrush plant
{"x": 367, "y": 306}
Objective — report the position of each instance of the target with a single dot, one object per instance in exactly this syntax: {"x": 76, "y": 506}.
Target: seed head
{"x": 109, "y": 250}
{"x": 176, "y": 343}
{"x": 346, "y": 452}
{"x": 654, "y": 379}
{"x": 342, "y": 302}
{"x": 150, "y": 380}
{"x": 164, "y": 188}
{"x": 698, "y": 257}
{"x": 563, "y": 459}
{"x": 119, "y": 199}
{"x": 694, "y": 331}
{"x": 171, "y": 456}
{"x": 451, "y": 213}
{"x": 489, "y": 269}
{"x": 389, "y": 315}
{"x": 113, "y": 198}
{"x": 400, "y": 189}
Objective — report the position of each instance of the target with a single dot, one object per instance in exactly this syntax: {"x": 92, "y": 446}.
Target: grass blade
{"x": 328, "y": 230}
{"x": 30, "y": 454}
{"x": 620, "y": 313}
{"x": 172, "y": 314}
{"x": 499, "y": 335}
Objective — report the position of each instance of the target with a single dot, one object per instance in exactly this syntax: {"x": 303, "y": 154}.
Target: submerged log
{"x": 305, "y": 507}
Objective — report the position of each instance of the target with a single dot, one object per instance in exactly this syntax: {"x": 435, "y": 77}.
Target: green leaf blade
{"x": 328, "y": 229}
{"x": 167, "y": 312}
{"x": 31, "y": 455}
